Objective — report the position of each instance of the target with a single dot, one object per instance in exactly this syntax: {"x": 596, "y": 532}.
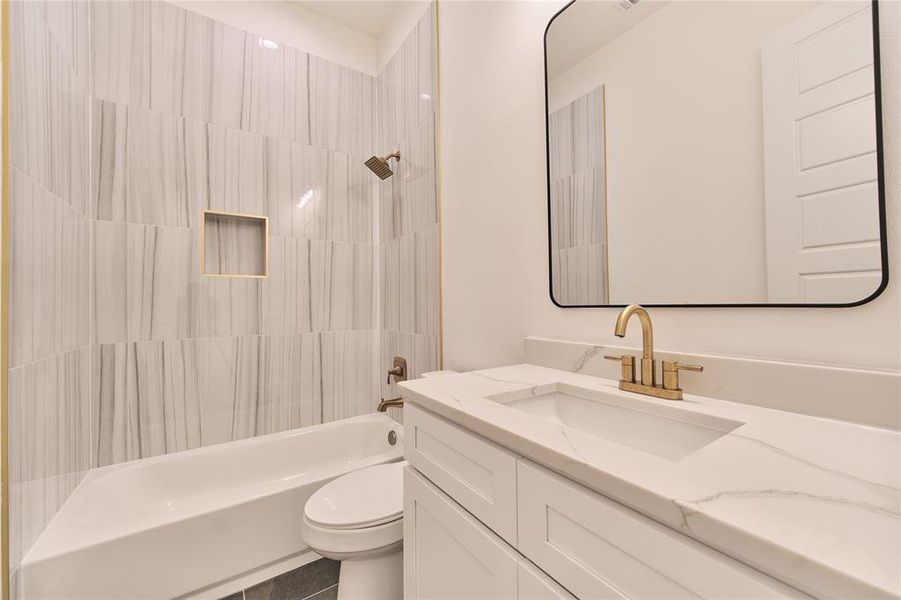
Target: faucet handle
{"x": 671, "y": 370}
{"x": 628, "y": 367}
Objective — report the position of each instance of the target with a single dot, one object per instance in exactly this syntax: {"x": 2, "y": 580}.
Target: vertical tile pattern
{"x": 192, "y": 114}
{"x": 578, "y": 201}
{"x": 50, "y": 264}
{"x": 409, "y": 261}
{"x": 128, "y": 120}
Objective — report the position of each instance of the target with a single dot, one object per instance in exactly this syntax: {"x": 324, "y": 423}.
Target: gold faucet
{"x": 669, "y": 390}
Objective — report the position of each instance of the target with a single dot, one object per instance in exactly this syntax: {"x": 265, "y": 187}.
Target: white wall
{"x": 495, "y": 216}
{"x": 704, "y": 149}
{"x": 291, "y": 24}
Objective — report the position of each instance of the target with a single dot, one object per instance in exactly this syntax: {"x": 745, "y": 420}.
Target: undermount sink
{"x": 664, "y": 431}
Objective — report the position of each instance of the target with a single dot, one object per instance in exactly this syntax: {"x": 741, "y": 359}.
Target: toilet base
{"x": 372, "y": 578}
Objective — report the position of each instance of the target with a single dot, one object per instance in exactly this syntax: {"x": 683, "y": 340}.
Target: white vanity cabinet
{"x": 483, "y": 522}
{"x": 449, "y": 554}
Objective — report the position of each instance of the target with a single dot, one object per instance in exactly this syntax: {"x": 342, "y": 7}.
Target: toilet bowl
{"x": 358, "y": 520}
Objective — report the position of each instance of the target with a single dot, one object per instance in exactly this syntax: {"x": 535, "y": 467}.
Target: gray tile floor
{"x": 314, "y": 581}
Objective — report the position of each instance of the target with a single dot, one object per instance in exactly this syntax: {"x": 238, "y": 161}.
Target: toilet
{"x": 358, "y": 520}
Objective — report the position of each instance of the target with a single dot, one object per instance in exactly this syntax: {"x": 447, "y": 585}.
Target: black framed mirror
{"x": 715, "y": 153}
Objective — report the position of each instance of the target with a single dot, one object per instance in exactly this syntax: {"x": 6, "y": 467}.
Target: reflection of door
{"x": 822, "y": 216}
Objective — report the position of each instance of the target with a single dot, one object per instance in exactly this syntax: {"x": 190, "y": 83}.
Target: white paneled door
{"x": 822, "y": 210}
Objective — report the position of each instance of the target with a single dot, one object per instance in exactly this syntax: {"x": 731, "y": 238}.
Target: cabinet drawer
{"x": 479, "y": 475}
{"x": 447, "y": 553}
{"x": 600, "y": 549}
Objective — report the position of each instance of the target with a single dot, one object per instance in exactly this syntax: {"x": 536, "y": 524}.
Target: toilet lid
{"x": 364, "y": 498}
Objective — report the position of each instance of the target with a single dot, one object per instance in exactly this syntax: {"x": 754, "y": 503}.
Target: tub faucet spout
{"x": 384, "y": 405}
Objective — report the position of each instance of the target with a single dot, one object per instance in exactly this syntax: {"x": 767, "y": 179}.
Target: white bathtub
{"x": 174, "y": 525}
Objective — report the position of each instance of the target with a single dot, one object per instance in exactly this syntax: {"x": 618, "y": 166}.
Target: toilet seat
{"x": 361, "y": 499}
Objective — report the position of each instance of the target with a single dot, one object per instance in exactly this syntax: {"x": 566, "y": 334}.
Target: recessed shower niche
{"x": 235, "y": 245}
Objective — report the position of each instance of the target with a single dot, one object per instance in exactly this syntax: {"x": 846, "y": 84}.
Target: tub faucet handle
{"x": 399, "y": 372}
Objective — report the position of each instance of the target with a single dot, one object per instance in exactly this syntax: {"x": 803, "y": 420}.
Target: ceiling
{"x": 587, "y": 25}
{"x": 367, "y": 16}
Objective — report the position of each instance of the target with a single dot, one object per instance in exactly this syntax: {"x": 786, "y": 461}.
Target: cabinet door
{"x": 447, "y": 553}
{"x": 479, "y": 475}
{"x": 600, "y": 549}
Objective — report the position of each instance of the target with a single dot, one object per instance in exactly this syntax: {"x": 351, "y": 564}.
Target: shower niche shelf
{"x": 234, "y": 245}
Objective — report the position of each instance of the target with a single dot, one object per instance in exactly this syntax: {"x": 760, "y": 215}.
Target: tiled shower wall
{"x": 49, "y": 345}
{"x": 192, "y": 114}
{"x": 120, "y": 348}
{"x": 578, "y": 201}
{"x": 408, "y": 207}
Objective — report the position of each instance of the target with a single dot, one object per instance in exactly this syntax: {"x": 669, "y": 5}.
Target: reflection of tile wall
{"x": 578, "y": 201}
{"x": 49, "y": 378}
{"x": 408, "y": 207}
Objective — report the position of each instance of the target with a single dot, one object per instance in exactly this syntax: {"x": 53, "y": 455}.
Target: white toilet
{"x": 358, "y": 519}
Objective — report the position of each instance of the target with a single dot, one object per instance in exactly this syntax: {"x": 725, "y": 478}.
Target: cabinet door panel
{"x": 478, "y": 474}
{"x": 598, "y": 548}
{"x": 447, "y": 553}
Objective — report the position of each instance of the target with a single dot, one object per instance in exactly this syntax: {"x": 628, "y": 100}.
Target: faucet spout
{"x": 647, "y": 330}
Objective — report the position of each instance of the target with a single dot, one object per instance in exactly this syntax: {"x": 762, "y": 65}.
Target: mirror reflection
{"x": 713, "y": 153}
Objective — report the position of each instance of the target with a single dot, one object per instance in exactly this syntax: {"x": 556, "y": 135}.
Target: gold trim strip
{"x": 437, "y": 100}
{"x": 4, "y": 306}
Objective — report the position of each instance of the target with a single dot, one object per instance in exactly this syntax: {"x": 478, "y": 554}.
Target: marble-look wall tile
{"x": 576, "y": 134}
{"x": 157, "y": 56}
{"x": 229, "y": 307}
{"x": 121, "y": 51}
{"x": 406, "y": 86}
{"x": 410, "y": 294}
{"x": 69, "y": 24}
{"x": 285, "y": 298}
{"x": 163, "y": 279}
{"x": 318, "y": 194}
{"x": 48, "y": 110}
{"x": 342, "y": 288}
{"x": 149, "y": 167}
{"x": 110, "y": 277}
{"x": 341, "y": 108}
{"x": 193, "y": 114}
{"x": 257, "y": 385}
{"x": 236, "y": 172}
{"x": 349, "y": 385}
{"x": 146, "y": 282}
{"x": 408, "y": 201}
{"x": 49, "y": 274}
{"x": 579, "y": 274}
{"x": 49, "y": 443}
{"x": 579, "y": 209}
{"x": 145, "y": 400}
{"x": 578, "y": 202}
{"x": 166, "y": 168}
{"x": 109, "y": 172}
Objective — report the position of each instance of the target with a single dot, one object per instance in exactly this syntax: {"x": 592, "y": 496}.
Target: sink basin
{"x": 664, "y": 431}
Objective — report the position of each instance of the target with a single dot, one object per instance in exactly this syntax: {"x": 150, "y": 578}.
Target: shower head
{"x": 379, "y": 165}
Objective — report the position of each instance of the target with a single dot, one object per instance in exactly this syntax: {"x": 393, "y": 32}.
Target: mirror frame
{"x": 880, "y": 186}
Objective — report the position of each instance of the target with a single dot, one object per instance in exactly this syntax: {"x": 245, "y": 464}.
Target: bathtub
{"x": 183, "y": 523}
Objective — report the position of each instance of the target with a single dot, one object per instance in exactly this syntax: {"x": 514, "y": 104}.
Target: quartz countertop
{"x": 813, "y": 502}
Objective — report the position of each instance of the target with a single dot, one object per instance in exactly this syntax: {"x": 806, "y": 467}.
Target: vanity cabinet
{"x": 449, "y": 554}
{"x": 483, "y": 522}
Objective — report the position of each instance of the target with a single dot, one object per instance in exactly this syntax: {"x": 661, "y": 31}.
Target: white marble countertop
{"x": 812, "y": 502}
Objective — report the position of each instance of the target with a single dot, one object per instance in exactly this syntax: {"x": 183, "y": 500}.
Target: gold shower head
{"x": 379, "y": 165}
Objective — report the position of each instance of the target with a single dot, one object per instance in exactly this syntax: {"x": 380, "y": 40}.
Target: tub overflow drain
{"x": 392, "y": 437}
